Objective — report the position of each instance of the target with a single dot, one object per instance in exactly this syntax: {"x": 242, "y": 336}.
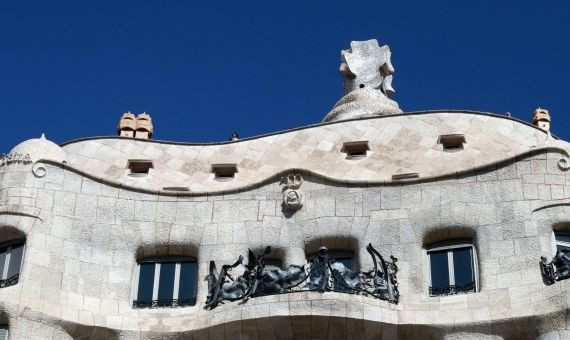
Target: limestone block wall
{"x": 399, "y": 144}
{"x": 86, "y": 223}
{"x": 83, "y": 238}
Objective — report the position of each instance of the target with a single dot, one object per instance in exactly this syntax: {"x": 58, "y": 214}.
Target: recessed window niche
{"x": 139, "y": 167}
{"x": 453, "y": 142}
{"x": 355, "y": 150}
{"x": 224, "y": 172}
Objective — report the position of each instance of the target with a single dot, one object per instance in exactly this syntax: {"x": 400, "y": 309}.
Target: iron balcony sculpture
{"x": 556, "y": 270}
{"x": 321, "y": 274}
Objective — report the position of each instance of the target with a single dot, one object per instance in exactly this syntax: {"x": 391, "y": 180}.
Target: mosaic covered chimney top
{"x": 367, "y": 70}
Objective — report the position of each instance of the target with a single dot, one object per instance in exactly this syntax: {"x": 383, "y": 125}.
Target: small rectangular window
{"x": 452, "y": 142}
{"x": 401, "y": 177}
{"x": 175, "y": 188}
{"x": 139, "y": 167}
{"x": 452, "y": 270}
{"x": 11, "y": 263}
{"x": 224, "y": 172}
{"x": 168, "y": 283}
{"x": 355, "y": 150}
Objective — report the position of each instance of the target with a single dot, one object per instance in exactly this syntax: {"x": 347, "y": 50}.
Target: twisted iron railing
{"x": 452, "y": 289}
{"x": 321, "y": 274}
{"x": 557, "y": 269}
{"x": 12, "y": 280}
{"x": 164, "y": 303}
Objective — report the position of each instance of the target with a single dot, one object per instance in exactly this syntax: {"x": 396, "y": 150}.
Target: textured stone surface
{"x": 398, "y": 144}
{"x": 84, "y": 235}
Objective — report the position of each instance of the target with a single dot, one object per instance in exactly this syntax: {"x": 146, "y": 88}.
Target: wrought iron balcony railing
{"x": 451, "y": 290}
{"x": 10, "y": 281}
{"x": 321, "y": 274}
{"x": 164, "y": 303}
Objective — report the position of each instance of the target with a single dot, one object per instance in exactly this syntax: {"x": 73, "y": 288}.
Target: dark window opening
{"x": 452, "y": 270}
{"x": 139, "y": 167}
{"x": 355, "y": 150}
{"x": 270, "y": 264}
{"x": 562, "y": 241}
{"x": 452, "y": 142}
{"x": 400, "y": 177}
{"x": 344, "y": 257}
{"x": 224, "y": 172}
{"x": 171, "y": 282}
{"x": 11, "y": 256}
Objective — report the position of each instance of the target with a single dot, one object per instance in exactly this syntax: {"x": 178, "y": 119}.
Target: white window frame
{"x": 8, "y": 245}
{"x": 449, "y": 246}
{"x": 157, "y": 263}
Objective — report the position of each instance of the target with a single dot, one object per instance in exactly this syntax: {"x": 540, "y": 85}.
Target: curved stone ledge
{"x": 315, "y": 174}
{"x": 311, "y": 315}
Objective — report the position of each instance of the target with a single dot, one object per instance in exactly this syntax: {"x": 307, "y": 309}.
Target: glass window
{"x": 10, "y": 263}
{"x": 562, "y": 240}
{"x": 345, "y": 257}
{"x": 452, "y": 269}
{"x": 167, "y": 282}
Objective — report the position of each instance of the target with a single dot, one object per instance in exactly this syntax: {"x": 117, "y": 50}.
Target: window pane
{"x": 439, "y": 269}
{"x": 15, "y": 260}
{"x": 562, "y": 247}
{"x": 2, "y": 260}
{"x": 146, "y": 282}
{"x": 272, "y": 264}
{"x": 348, "y": 262}
{"x": 188, "y": 281}
{"x": 564, "y": 237}
{"x": 463, "y": 269}
{"x": 166, "y": 283}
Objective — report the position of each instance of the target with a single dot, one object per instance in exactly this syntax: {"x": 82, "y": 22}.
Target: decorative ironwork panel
{"x": 164, "y": 303}
{"x": 452, "y": 289}
{"x": 10, "y": 281}
{"x": 556, "y": 270}
{"x": 321, "y": 274}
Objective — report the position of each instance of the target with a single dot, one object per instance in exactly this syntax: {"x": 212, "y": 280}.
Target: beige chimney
{"x": 127, "y": 125}
{"x": 541, "y": 119}
{"x": 144, "y": 127}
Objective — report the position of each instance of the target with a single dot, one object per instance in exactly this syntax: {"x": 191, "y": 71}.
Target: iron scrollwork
{"x": 321, "y": 274}
{"x": 556, "y": 270}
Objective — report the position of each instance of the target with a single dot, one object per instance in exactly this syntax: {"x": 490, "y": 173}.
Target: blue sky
{"x": 203, "y": 69}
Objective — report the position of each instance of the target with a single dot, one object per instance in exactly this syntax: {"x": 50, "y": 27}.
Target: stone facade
{"x": 85, "y": 229}
{"x": 88, "y": 228}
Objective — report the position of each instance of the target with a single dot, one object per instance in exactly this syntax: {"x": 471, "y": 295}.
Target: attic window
{"x": 452, "y": 142}
{"x": 139, "y": 167}
{"x": 224, "y": 172}
{"x": 355, "y": 150}
{"x": 399, "y": 177}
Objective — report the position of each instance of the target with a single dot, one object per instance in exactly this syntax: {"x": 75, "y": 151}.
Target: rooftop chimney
{"x": 541, "y": 119}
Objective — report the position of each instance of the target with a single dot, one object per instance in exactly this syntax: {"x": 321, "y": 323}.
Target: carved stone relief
{"x": 293, "y": 197}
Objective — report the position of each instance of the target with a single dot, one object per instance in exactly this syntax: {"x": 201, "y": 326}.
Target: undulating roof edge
{"x": 412, "y": 113}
